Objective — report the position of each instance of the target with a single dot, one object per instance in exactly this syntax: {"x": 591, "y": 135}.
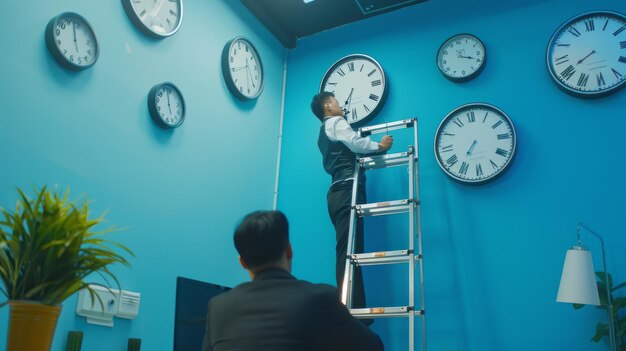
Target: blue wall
{"x": 178, "y": 192}
{"x": 494, "y": 252}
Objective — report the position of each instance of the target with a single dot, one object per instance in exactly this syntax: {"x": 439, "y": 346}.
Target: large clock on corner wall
{"x": 360, "y": 86}
{"x": 242, "y": 69}
{"x": 586, "y": 55}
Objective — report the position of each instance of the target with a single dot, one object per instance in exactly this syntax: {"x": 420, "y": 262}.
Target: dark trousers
{"x": 339, "y": 199}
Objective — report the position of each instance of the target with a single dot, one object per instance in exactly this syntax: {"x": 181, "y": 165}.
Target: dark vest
{"x": 338, "y": 159}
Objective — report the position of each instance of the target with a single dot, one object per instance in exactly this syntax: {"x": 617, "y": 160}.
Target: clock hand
{"x": 467, "y": 57}
{"x": 471, "y": 149}
{"x": 349, "y": 98}
{"x": 157, "y": 8}
{"x": 74, "y": 29}
{"x": 168, "y": 102}
{"x": 584, "y": 58}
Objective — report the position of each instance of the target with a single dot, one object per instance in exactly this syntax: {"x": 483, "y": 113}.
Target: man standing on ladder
{"x": 339, "y": 144}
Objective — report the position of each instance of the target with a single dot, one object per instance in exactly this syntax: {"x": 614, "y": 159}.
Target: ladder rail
{"x": 418, "y": 219}
{"x": 348, "y": 275}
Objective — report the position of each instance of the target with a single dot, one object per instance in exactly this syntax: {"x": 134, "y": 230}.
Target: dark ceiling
{"x": 290, "y": 20}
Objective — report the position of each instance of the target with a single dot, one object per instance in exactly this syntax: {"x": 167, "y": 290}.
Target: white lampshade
{"x": 578, "y": 281}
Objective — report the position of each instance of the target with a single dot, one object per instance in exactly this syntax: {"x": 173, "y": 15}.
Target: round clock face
{"x": 461, "y": 57}
{"x": 71, "y": 41}
{"x": 586, "y": 56}
{"x": 242, "y": 69}
{"x": 359, "y": 84}
{"x": 166, "y": 105}
{"x": 157, "y": 18}
{"x": 475, "y": 143}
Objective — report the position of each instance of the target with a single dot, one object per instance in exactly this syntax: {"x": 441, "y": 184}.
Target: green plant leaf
{"x": 602, "y": 330}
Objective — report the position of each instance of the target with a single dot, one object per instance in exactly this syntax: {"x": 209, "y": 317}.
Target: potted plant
{"x": 48, "y": 247}
{"x": 619, "y": 303}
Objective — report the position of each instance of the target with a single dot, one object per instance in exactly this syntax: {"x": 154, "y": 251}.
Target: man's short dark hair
{"x": 317, "y": 104}
{"x": 262, "y": 237}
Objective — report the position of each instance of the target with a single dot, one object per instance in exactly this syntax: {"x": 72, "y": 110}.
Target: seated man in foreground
{"x": 275, "y": 311}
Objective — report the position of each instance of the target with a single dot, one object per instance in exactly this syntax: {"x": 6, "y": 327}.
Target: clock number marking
{"x": 452, "y": 160}
{"x": 354, "y": 115}
{"x": 173, "y": 13}
{"x": 374, "y": 97}
{"x": 372, "y": 72}
{"x": 582, "y": 81}
{"x": 564, "y": 45}
{"x": 341, "y": 72}
{"x": 502, "y": 152}
{"x": 479, "y": 170}
{"x": 589, "y": 25}
{"x": 493, "y": 164}
{"x": 376, "y": 83}
{"x": 622, "y": 44}
{"x": 448, "y": 134}
{"x": 351, "y": 66}
{"x": 605, "y": 24}
{"x": 568, "y": 72}
{"x": 458, "y": 122}
{"x": 600, "y": 79}
{"x": 470, "y": 117}
{"x": 361, "y": 70}
{"x": 619, "y": 31}
{"x": 560, "y": 60}
{"x": 622, "y": 59}
{"x": 329, "y": 83}
{"x": 447, "y": 148}
{"x": 367, "y": 109}
{"x": 484, "y": 119}
{"x": 464, "y": 167}
{"x": 498, "y": 123}
{"x": 504, "y": 136}
{"x": 616, "y": 73}
{"x": 574, "y": 31}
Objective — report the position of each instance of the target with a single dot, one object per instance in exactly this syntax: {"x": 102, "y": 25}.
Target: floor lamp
{"x": 578, "y": 281}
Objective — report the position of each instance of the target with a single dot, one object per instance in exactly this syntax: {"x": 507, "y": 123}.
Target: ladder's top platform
{"x": 386, "y": 127}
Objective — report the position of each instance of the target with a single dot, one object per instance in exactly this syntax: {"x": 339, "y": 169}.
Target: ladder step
{"x": 384, "y": 208}
{"x": 385, "y": 161}
{"x": 384, "y": 312}
{"x": 382, "y": 257}
{"x": 386, "y": 127}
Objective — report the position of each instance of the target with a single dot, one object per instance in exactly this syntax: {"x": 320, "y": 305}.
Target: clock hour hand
{"x": 168, "y": 102}
{"x": 584, "y": 58}
{"x": 471, "y": 149}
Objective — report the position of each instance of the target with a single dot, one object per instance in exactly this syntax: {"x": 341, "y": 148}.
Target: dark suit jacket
{"x": 277, "y": 312}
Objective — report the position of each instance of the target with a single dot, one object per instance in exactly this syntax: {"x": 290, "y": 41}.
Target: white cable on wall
{"x": 280, "y": 130}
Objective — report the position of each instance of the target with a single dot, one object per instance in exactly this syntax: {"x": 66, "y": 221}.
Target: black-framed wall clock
{"x": 156, "y": 18}
{"x": 166, "y": 105}
{"x": 72, "y": 41}
{"x": 475, "y": 143}
{"x": 586, "y": 55}
{"x": 461, "y": 57}
{"x": 360, "y": 86}
{"x": 242, "y": 69}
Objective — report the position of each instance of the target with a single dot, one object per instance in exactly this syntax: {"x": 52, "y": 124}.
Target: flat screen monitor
{"x": 192, "y": 297}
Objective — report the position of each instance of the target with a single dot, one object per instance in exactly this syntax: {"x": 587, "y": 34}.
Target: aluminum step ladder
{"x": 411, "y": 206}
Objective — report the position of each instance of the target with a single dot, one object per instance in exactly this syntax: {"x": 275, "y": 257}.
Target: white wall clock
{"x": 242, "y": 69}
{"x": 475, "y": 143}
{"x": 359, "y": 84}
{"x": 166, "y": 105}
{"x": 72, "y": 41}
{"x": 586, "y": 55}
{"x": 157, "y": 18}
{"x": 461, "y": 57}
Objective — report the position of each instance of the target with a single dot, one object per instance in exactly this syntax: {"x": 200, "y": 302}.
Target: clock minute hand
{"x": 75, "y": 41}
{"x": 584, "y": 58}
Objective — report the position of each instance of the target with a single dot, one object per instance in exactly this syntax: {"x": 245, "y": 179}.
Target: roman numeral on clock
{"x": 367, "y": 109}
{"x": 447, "y": 148}
{"x": 502, "y": 152}
{"x": 560, "y": 60}
{"x": 479, "y": 170}
{"x": 493, "y": 164}
{"x": 589, "y": 25}
{"x": 351, "y": 66}
{"x": 374, "y": 97}
{"x": 458, "y": 122}
{"x": 452, "y": 160}
{"x": 464, "y": 167}
{"x": 574, "y": 31}
{"x": 376, "y": 82}
{"x": 600, "y": 79}
{"x": 341, "y": 72}
{"x": 582, "y": 81}
{"x": 568, "y": 72}
{"x": 622, "y": 44}
{"x": 496, "y": 124}
{"x": 354, "y": 115}
{"x": 470, "y": 117}
{"x": 504, "y": 136}
{"x": 622, "y": 59}
{"x": 372, "y": 72}
{"x": 616, "y": 33}
{"x": 616, "y": 73}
